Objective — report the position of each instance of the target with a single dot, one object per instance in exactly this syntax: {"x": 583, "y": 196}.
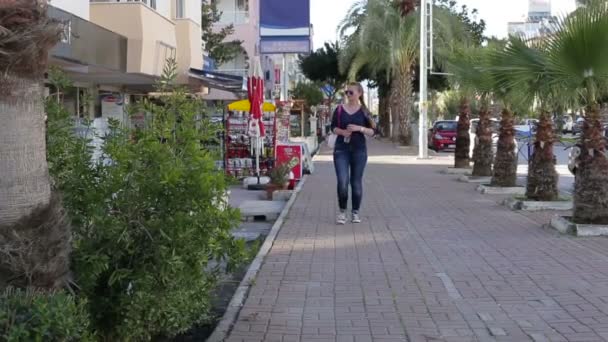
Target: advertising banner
{"x": 285, "y": 154}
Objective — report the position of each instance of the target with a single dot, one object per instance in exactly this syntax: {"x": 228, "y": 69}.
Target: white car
{"x": 495, "y": 131}
{"x": 473, "y": 134}
{"x": 567, "y": 124}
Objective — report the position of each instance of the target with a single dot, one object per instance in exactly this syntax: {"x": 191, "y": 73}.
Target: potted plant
{"x": 279, "y": 179}
{"x": 279, "y": 176}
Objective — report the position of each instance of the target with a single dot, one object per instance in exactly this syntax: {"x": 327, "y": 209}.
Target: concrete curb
{"x": 565, "y": 226}
{"x": 523, "y": 205}
{"x": 224, "y": 327}
{"x": 455, "y": 171}
{"x": 478, "y": 180}
{"x": 496, "y": 190}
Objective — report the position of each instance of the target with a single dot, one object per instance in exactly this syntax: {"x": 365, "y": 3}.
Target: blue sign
{"x": 284, "y": 26}
{"x": 284, "y": 18}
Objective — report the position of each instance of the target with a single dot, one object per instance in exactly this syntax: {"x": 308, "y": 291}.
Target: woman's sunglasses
{"x": 349, "y": 92}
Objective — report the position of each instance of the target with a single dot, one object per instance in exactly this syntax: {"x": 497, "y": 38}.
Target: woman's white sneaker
{"x": 341, "y": 219}
{"x": 356, "y": 218}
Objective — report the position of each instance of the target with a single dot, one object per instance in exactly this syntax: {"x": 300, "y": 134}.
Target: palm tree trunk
{"x": 505, "y": 164}
{"x": 463, "y": 138}
{"x": 404, "y": 106}
{"x": 34, "y": 236}
{"x": 482, "y": 153}
{"x": 384, "y": 114}
{"x": 384, "y": 94}
{"x": 394, "y": 109}
{"x": 542, "y": 176}
{"x": 591, "y": 183}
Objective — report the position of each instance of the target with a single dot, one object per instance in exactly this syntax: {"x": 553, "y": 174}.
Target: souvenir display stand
{"x": 240, "y": 150}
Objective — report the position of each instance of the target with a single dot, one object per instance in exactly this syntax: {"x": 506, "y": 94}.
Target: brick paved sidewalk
{"x": 432, "y": 261}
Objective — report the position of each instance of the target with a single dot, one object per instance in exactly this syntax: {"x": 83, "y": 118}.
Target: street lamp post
{"x": 423, "y": 106}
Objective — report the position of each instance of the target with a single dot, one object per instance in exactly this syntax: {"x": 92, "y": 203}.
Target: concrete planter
{"x": 566, "y": 226}
{"x": 518, "y": 204}
{"x": 282, "y": 195}
{"x": 476, "y": 180}
{"x": 455, "y": 171}
{"x": 497, "y": 190}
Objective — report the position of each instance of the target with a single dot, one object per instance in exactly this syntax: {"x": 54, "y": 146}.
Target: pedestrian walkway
{"x": 432, "y": 261}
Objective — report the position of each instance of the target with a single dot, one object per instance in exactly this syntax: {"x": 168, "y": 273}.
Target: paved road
{"x": 432, "y": 261}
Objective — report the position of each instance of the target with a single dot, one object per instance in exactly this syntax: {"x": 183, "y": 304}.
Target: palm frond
{"x": 468, "y": 66}
{"x": 577, "y": 52}
{"x": 353, "y": 19}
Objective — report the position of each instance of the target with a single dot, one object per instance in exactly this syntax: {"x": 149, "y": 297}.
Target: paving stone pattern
{"x": 433, "y": 260}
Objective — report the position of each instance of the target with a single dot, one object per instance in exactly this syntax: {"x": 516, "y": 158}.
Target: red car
{"x": 443, "y": 135}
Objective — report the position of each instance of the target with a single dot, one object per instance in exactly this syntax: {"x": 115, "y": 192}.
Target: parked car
{"x": 567, "y": 124}
{"x": 473, "y": 134}
{"x": 443, "y": 135}
{"x": 578, "y": 125}
{"x": 495, "y": 131}
{"x": 526, "y": 128}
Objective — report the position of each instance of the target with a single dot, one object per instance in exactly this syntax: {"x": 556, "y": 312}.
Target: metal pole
{"x": 422, "y": 122}
{"x": 284, "y": 78}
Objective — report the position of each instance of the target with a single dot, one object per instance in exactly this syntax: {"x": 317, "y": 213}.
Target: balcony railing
{"x": 234, "y": 18}
{"x": 151, "y": 3}
{"x": 88, "y": 44}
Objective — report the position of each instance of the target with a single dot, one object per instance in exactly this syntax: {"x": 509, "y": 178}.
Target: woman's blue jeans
{"x": 350, "y": 163}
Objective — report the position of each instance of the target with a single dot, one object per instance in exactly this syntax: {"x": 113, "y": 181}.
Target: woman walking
{"x": 352, "y": 123}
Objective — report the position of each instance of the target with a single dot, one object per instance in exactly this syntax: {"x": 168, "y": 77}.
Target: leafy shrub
{"x": 38, "y": 316}
{"x": 149, "y": 224}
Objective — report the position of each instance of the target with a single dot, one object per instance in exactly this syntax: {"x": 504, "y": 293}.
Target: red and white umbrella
{"x": 255, "y": 92}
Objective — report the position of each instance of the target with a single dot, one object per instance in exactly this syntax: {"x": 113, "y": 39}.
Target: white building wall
{"x": 193, "y": 10}
{"x": 164, "y": 8}
{"x": 79, "y": 8}
{"x": 539, "y": 6}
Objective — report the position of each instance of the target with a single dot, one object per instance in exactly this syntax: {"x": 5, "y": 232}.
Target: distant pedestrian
{"x": 352, "y": 122}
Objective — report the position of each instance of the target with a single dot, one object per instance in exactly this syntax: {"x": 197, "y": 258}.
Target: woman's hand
{"x": 343, "y": 132}
{"x": 355, "y": 128}
{"x": 361, "y": 129}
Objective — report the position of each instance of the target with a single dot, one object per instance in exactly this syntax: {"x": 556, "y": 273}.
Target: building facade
{"x": 115, "y": 51}
{"x": 245, "y": 16}
{"x": 538, "y": 23}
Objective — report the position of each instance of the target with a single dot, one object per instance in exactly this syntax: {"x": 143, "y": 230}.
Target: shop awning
{"x": 212, "y": 79}
{"x": 245, "y": 106}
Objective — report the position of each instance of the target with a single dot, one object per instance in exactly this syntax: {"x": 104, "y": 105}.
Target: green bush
{"x": 38, "y": 316}
{"x": 150, "y": 223}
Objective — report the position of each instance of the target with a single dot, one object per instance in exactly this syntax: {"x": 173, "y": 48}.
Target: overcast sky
{"x": 326, "y": 14}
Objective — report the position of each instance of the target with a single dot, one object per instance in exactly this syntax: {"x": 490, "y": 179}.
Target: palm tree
{"x": 468, "y": 75}
{"x": 34, "y": 237}
{"x": 387, "y": 40}
{"x": 524, "y": 66}
{"x": 577, "y": 62}
{"x": 505, "y": 161}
